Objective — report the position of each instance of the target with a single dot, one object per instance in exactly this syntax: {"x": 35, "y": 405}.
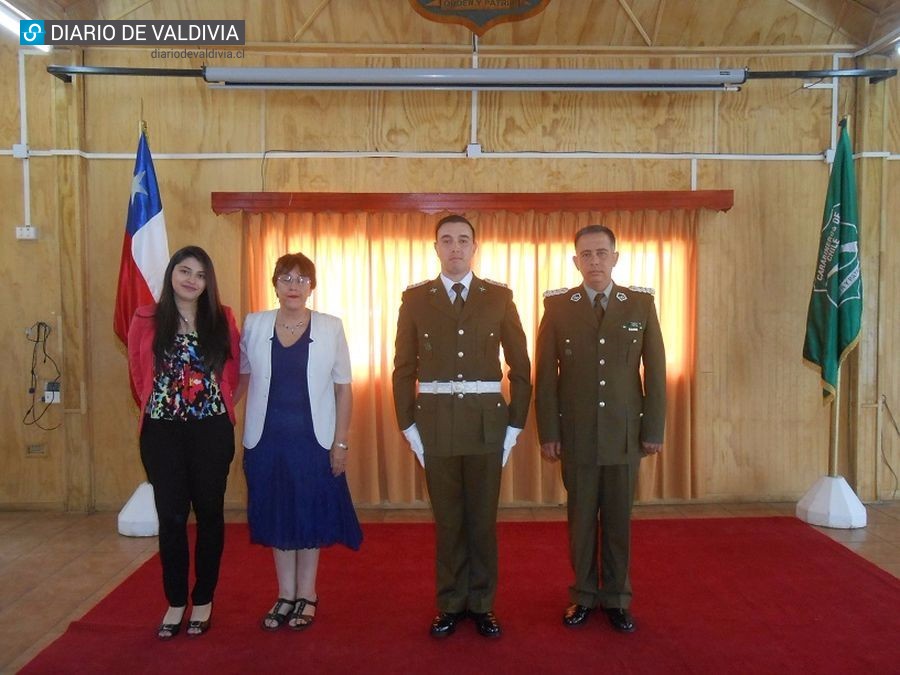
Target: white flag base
{"x": 831, "y": 502}
{"x": 138, "y": 517}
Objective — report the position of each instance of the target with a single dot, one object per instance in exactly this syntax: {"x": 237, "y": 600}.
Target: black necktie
{"x": 598, "y": 307}
{"x": 458, "y": 301}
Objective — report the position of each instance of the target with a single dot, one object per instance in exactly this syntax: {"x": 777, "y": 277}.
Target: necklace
{"x": 293, "y": 327}
{"x": 185, "y": 321}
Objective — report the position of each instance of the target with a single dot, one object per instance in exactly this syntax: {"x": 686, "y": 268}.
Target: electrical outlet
{"x": 36, "y": 450}
{"x": 51, "y": 392}
{"x": 26, "y": 232}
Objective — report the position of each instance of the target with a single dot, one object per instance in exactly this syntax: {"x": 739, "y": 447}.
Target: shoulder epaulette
{"x": 643, "y": 289}
{"x": 555, "y": 291}
{"x": 496, "y": 283}
{"x": 421, "y": 283}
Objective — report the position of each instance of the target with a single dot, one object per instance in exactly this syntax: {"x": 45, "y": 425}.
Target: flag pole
{"x": 835, "y": 425}
{"x": 836, "y": 403}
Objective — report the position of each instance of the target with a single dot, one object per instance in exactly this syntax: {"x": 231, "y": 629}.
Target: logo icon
{"x": 31, "y": 32}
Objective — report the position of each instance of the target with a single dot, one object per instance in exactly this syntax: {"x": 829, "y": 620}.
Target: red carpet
{"x": 748, "y": 595}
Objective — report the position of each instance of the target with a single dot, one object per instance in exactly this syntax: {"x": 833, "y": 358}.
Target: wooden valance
{"x": 433, "y": 202}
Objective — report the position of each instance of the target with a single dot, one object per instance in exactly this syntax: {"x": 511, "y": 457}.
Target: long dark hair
{"x": 212, "y": 326}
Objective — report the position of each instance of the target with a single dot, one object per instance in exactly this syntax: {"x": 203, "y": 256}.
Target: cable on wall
{"x": 883, "y": 455}
{"x": 38, "y": 334}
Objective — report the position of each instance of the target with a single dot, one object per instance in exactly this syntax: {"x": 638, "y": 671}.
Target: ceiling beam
{"x": 818, "y": 17}
{"x": 840, "y": 18}
{"x": 133, "y": 9}
{"x": 864, "y": 6}
{"x": 659, "y": 15}
{"x": 309, "y": 21}
{"x": 636, "y": 22}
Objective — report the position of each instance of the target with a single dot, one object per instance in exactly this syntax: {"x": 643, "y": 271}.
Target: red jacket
{"x": 141, "y": 360}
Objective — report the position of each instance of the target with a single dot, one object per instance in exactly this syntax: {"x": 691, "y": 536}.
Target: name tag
{"x": 633, "y": 326}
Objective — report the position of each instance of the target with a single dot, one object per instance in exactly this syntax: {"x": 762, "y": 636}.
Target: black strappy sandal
{"x": 300, "y": 620}
{"x": 275, "y": 616}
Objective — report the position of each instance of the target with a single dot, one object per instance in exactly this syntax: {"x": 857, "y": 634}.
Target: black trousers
{"x": 187, "y": 465}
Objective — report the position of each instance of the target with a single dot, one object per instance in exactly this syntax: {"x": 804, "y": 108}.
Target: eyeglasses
{"x": 288, "y": 279}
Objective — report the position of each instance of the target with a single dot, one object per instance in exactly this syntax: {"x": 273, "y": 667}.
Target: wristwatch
{"x": 343, "y": 446}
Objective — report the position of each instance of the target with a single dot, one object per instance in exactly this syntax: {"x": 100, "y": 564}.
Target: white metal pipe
{"x": 583, "y": 154}
{"x": 473, "y": 130}
{"x": 23, "y": 139}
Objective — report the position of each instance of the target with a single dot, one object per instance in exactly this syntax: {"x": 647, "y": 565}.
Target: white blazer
{"x": 329, "y": 364}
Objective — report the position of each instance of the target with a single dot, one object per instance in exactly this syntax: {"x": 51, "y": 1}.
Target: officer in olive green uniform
{"x": 596, "y": 412}
{"x": 458, "y": 422}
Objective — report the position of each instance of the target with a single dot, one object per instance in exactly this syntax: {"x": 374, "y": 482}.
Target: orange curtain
{"x": 364, "y": 261}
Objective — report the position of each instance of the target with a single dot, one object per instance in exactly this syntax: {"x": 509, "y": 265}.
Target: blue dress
{"x": 293, "y": 500}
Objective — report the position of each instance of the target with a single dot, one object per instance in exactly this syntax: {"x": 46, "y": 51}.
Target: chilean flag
{"x": 145, "y": 249}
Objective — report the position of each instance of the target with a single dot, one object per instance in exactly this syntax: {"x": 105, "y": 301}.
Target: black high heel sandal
{"x": 196, "y": 627}
{"x": 167, "y": 631}
{"x": 275, "y": 616}
{"x": 301, "y": 620}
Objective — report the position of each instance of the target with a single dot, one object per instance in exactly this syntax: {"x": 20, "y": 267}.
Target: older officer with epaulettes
{"x": 449, "y": 333}
{"x": 600, "y": 413}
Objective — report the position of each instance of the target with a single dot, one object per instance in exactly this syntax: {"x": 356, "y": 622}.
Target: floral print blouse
{"x": 183, "y": 389}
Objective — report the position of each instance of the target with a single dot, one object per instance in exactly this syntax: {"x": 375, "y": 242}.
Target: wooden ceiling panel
{"x": 585, "y": 23}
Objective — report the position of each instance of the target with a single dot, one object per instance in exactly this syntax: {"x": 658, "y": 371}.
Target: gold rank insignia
{"x": 421, "y": 283}
{"x": 496, "y": 283}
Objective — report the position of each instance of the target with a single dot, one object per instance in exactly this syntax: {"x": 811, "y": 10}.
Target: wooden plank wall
{"x": 763, "y": 433}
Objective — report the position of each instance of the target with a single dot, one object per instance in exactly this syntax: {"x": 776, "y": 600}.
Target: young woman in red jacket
{"x": 183, "y": 358}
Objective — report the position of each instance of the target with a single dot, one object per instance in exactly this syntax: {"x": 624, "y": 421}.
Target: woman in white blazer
{"x": 295, "y": 365}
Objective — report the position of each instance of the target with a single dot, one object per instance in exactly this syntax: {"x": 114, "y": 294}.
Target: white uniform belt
{"x": 459, "y": 387}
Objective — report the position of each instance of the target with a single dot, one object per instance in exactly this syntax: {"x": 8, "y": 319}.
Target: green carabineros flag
{"x": 835, "y": 305}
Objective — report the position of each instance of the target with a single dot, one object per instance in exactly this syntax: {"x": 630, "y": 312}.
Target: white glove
{"x": 512, "y": 433}
{"x": 415, "y": 442}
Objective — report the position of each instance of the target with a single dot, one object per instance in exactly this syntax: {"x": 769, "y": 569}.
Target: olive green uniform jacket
{"x": 589, "y": 392}
{"x": 434, "y": 345}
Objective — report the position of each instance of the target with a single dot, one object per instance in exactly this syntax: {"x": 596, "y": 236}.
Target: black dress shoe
{"x": 487, "y": 624}
{"x": 576, "y": 615}
{"x": 444, "y": 624}
{"x": 621, "y": 619}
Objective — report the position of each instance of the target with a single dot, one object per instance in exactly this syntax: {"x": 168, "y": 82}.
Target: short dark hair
{"x": 453, "y": 218}
{"x": 596, "y": 229}
{"x": 289, "y": 261}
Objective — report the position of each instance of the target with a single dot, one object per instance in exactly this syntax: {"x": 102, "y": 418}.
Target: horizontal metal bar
{"x": 875, "y": 75}
{"x": 65, "y": 72}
